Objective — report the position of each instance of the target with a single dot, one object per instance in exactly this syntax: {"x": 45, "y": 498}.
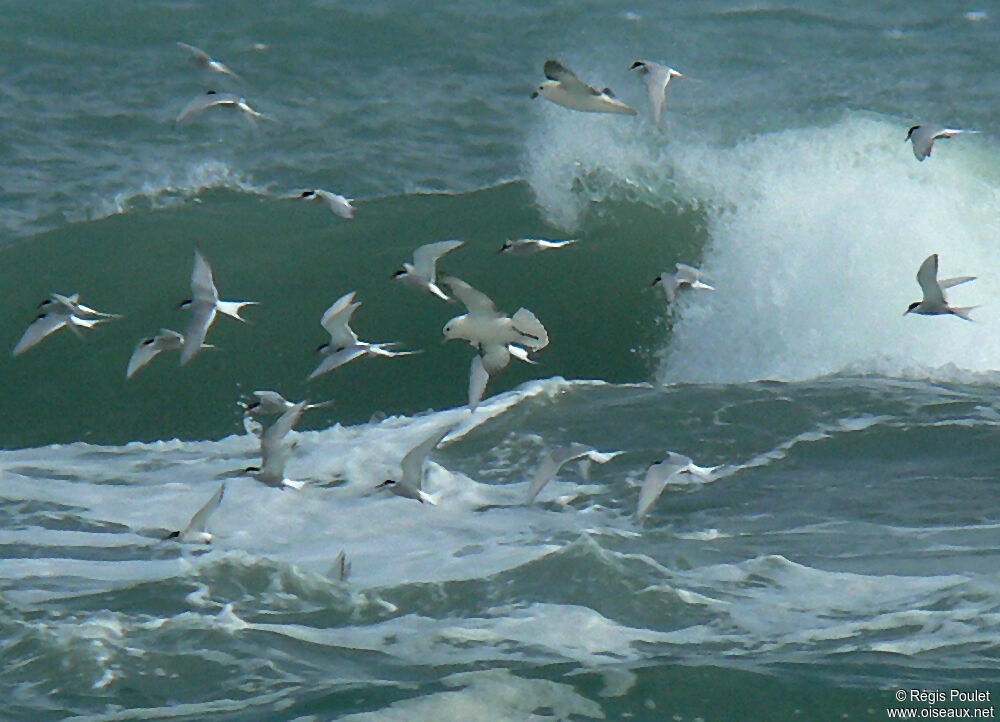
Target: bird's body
{"x": 196, "y": 531}
{"x": 530, "y": 246}
{"x": 565, "y": 89}
{"x": 934, "y": 302}
{"x": 659, "y": 474}
{"x": 656, "y": 77}
{"x": 271, "y": 403}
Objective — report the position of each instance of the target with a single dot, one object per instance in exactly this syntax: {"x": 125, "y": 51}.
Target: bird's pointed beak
{"x": 534, "y": 94}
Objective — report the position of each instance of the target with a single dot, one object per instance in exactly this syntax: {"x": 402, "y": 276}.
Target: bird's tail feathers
{"x": 964, "y": 312}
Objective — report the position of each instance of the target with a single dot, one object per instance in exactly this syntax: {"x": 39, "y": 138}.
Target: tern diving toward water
{"x": 557, "y": 458}
{"x": 565, "y": 89}
{"x": 196, "y": 531}
{"x": 529, "y": 246}
{"x": 336, "y": 203}
{"x": 213, "y": 99}
{"x": 204, "y": 303}
{"x": 203, "y": 61}
{"x": 496, "y": 335}
{"x": 686, "y": 276}
{"x": 59, "y": 311}
{"x": 660, "y": 473}
{"x": 412, "y": 465}
{"x": 274, "y": 452}
{"x": 344, "y": 345}
{"x": 934, "y": 302}
{"x": 923, "y": 136}
{"x": 148, "y": 348}
{"x": 422, "y": 273}
{"x": 657, "y": 77}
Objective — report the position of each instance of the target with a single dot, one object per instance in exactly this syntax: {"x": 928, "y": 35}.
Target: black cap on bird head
{"x": 910, "y": 132}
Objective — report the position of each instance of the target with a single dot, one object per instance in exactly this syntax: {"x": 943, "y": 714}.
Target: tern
{"x": 527, "y": 246}
{"x": 212, "y": 99}
{"x": 204, "y": 303}
{"x": 274, "y": 452}
{"x": 203, "y": 61}
{"x": 496, "y": 335}
{"x": 336, "y": 203}
{"x": 934, "y": 302}
{"x": 59, "y": 311}
{"x": 685, "y": 276}
{"x": 657, "y": 77}
{"x": 422, "y": 273}
{"x": 196, "y": 531}
{"x": 271, "y": 403}
{"x": 148, "y": 348}
{"x": 565, "y": 89}
{"x": 557, "y": 458}
{"x": 412, "y": 465}
{"x": 660, "y": 473}
{"x": 344, "y": 345}
{"x": 923, "y": 136}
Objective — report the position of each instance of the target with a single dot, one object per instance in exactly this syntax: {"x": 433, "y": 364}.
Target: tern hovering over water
{"x": 196, "y": 531}
{"x": 409, "y": 486}
{"x": 686, "y": 276}
{"x": 565, "y": 89}
{"x": 344, "y": 345}
{"x": 528, "y": 246}
{"x": 204, "y": 303}
{"x": 934, "y": 302}
{"x": 212, "y": 99}
{"x": 336, "y": 203}
{"x": 422, "y": 273}
{"x": 557, "y": 458}
{"x": 59, "y": 311}
{"x": 203, "y": 61}
{"x": 148, "y": 348}
{"x": 660, "y": 473}
{"x": 496, "y": 335}
{"x": 923, "y": 136}
{"x": 657, "y": 77}
{"x": 274, "y": 452}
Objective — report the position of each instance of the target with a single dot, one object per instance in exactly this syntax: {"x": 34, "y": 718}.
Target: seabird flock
{"x": 494, "y": 335}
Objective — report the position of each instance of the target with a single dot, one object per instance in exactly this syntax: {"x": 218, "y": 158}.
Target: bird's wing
{"x": 277, "y": 431}
{"x": 202, "y": 283}
{"x": 413, "y": 462}
{"x": 425, "y": 258}
{"x": 478, "y": 303}
{"x": 200, "y": 103}
{"x": 657, "y": 78}
{"x": 533, "y": 333}
{"x": 495, "y": 357}
{"x": 197, "y": 53}
{"x": 478, "y": 378}
{"x": 200, "y": 518}
{"x": 949, "y": 282}
{"x": 656, "y": 479}
{"x": 338, "y": 358}
{"x": 336, "y": 320}
{"x": 145, "y": 351}
{"x": 554, "y": 70}
{"x": 40, "y": 328}
{"x": 927, "y": 278}
{"x": 551, "y": 463}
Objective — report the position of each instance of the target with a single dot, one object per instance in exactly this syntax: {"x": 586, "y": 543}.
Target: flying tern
{"x": 934, "y": 302}
{"x": 527, "y": 246}
{"x": 203, "y": 304}
{"x": 203, "y": 61}
{"x": 148, "y": 348}
{"x": 336, "y": 203}
{"x": 555, "y": 459}
{"x": 213, "y": 99}
{"x": 565, "y": 89}
{"x": 344, "y": 345}
{"x": 412, "y": 465}
{"x": 657, "y": 77}
{"x": 660, "y": 473}
{"x": 923, "y": 136}
{"x": 196, "y": 531}
{"x": 422, "y": 273}
{"x": 685, "y": 276}
{"x": 59, "y": 311}
{"x": 275, "y": 452}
